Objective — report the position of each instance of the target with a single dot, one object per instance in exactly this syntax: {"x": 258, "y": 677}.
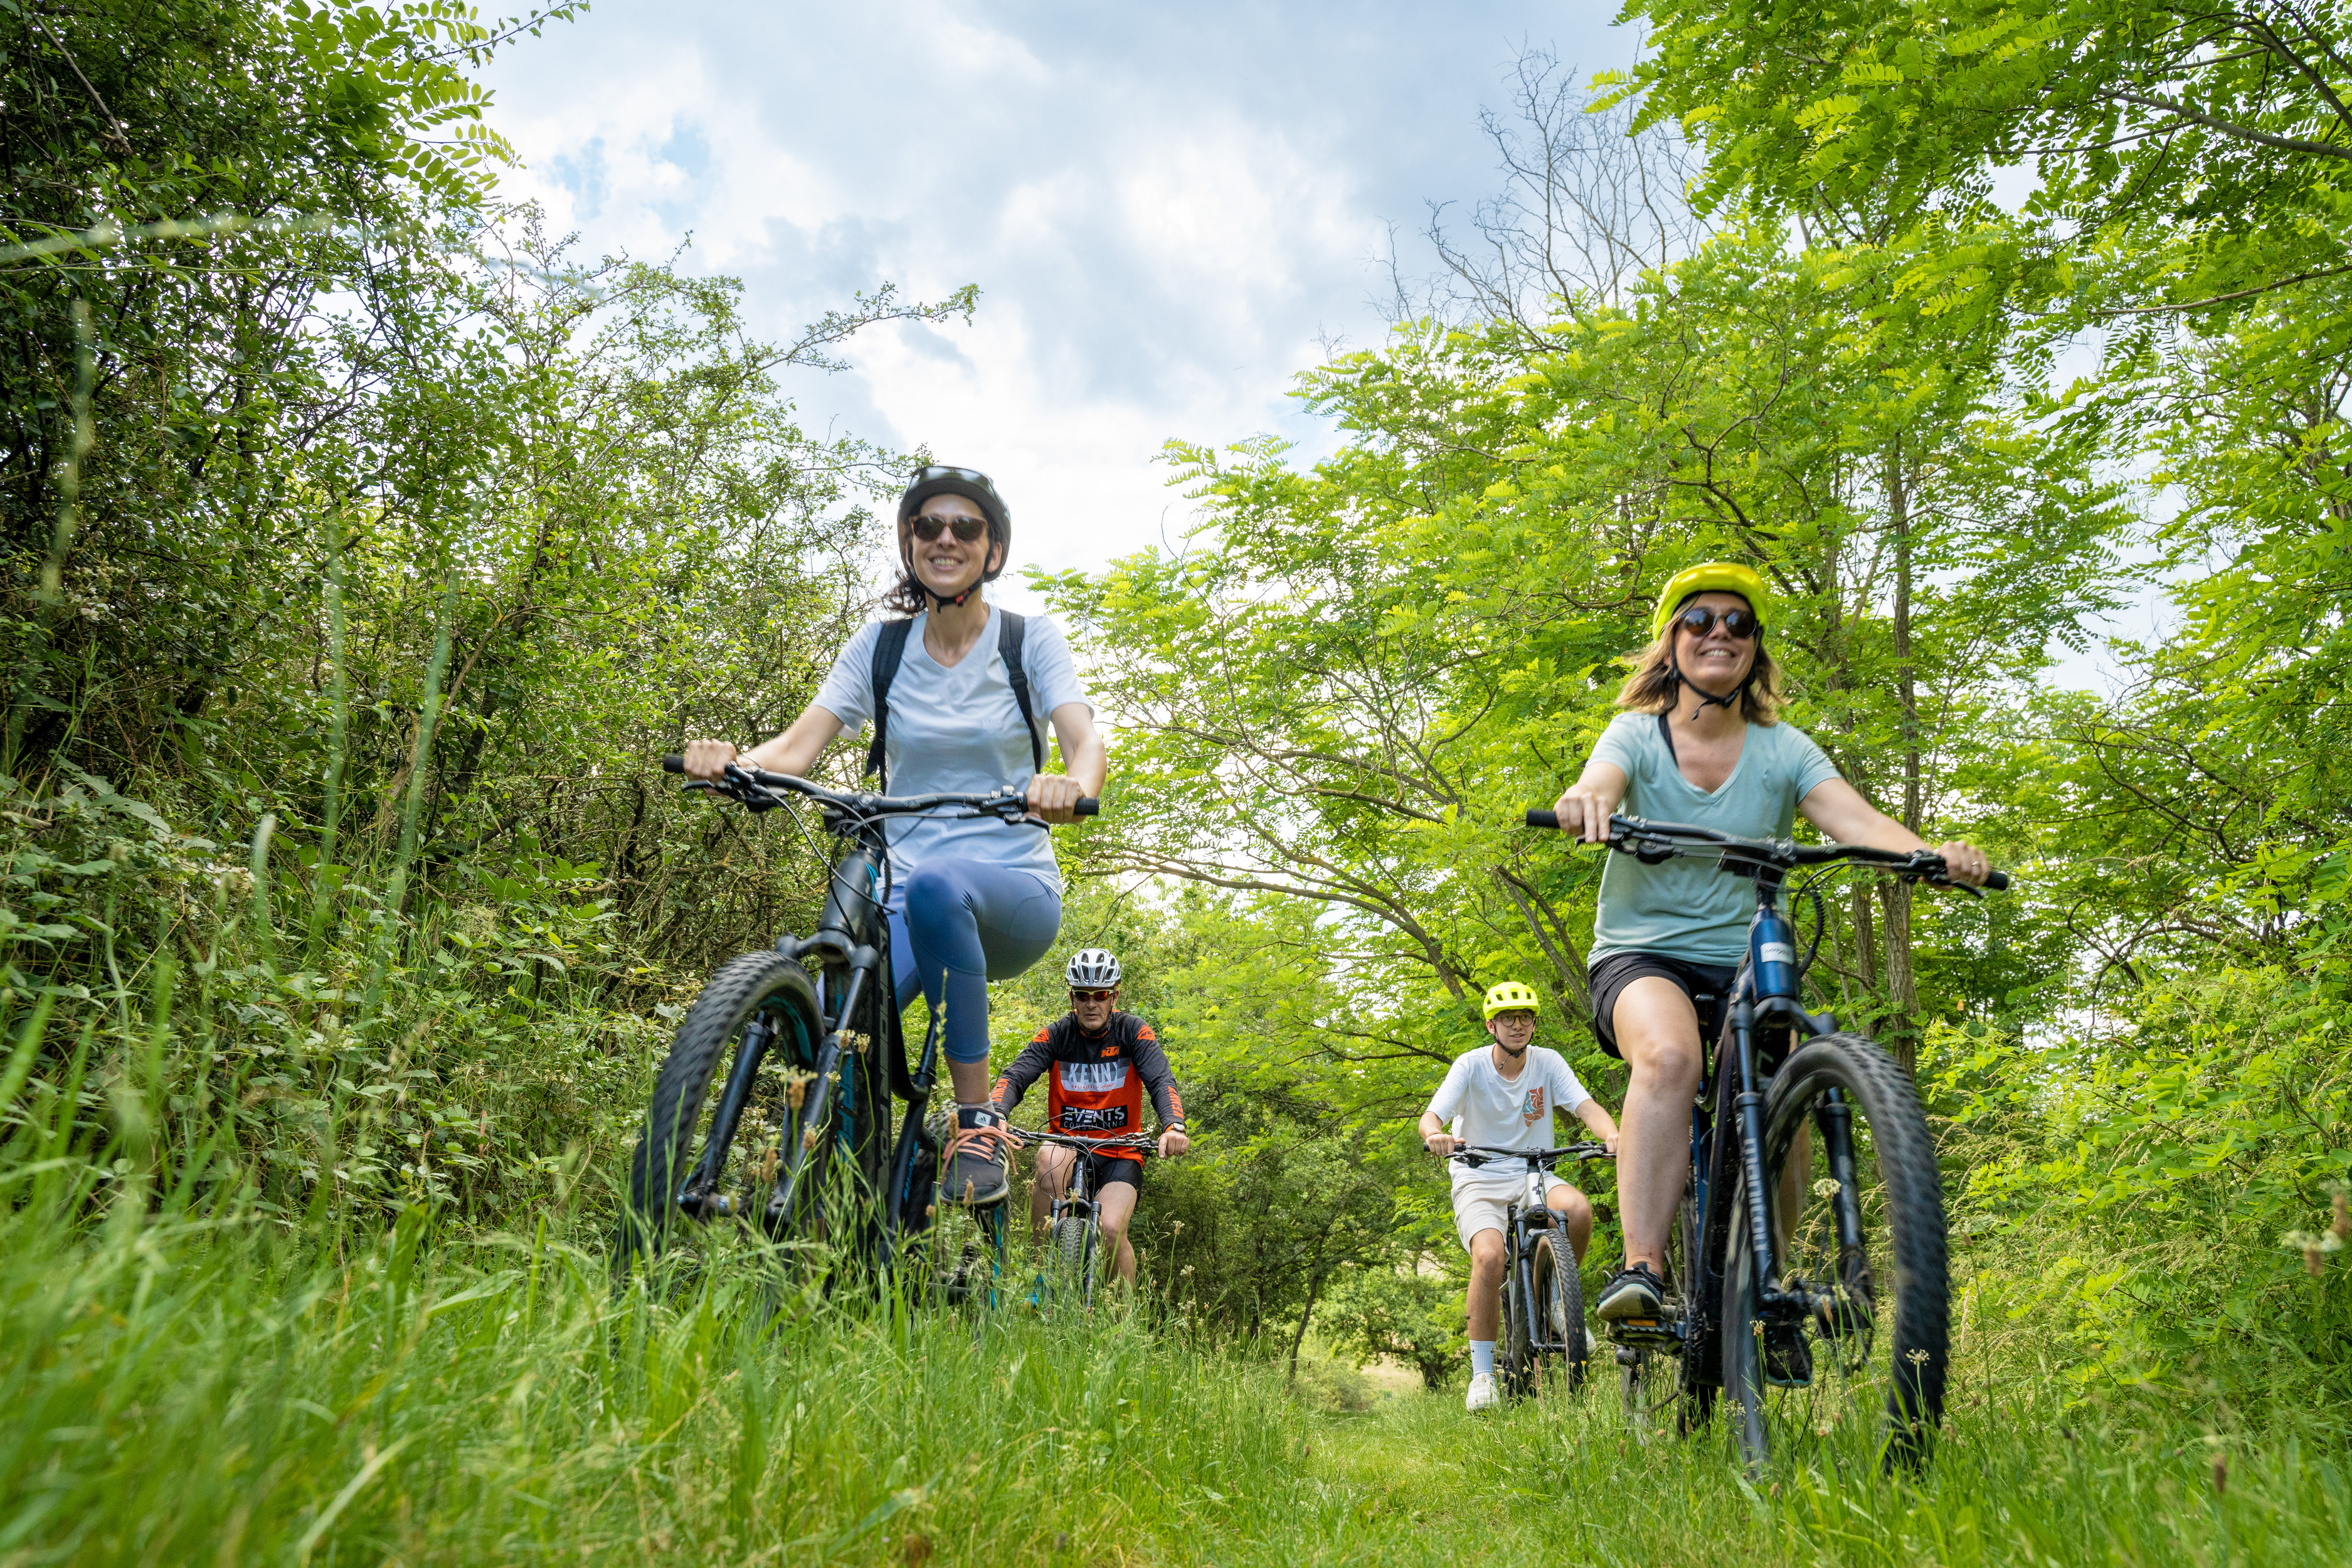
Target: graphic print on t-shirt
{"x": 1094, "y": 1077}
{"x": 1532, "y": 1110}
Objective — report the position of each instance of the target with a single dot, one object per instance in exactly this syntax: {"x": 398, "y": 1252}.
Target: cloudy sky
{"x": 1169, "y": 209}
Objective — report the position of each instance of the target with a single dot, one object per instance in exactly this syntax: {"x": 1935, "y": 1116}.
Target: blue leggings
{"x": 965, "y": 923}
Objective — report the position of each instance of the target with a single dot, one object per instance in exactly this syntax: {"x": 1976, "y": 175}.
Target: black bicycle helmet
{"x": 942, "y": 479}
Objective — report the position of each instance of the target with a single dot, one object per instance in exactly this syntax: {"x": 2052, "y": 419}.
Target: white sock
{"x": 1482, "y": 1358}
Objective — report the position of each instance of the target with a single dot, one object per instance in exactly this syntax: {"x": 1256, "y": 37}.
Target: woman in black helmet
{"x": 972, "y": 900}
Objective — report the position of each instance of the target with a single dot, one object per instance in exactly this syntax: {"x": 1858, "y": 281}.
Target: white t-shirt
{"x": 959, "y": 729}
{"x": 1496, "y": 1112}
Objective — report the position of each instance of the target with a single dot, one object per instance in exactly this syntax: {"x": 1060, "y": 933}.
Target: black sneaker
{"x": 1634, "y": 1291}
{"x": 976, "y": 1175}
{"x": 1788, "y": 1360}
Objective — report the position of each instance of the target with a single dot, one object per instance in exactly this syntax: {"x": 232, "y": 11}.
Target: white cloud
{"x": 1164, "y": 210}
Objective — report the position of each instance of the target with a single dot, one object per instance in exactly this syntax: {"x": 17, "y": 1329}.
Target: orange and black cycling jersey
{"x": 1098, "y": 1080}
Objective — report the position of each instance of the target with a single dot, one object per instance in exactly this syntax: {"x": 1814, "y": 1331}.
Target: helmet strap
{"x": 1705, "y": 698}
{"x": 940, "y": 601}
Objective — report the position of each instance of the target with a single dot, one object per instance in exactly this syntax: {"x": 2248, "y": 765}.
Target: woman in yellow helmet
{"x": 1701, "y": 742}
{"x": 1503, "y": 1095}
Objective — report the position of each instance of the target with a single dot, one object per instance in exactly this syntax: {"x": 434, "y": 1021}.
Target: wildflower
{"x": 2314, "y": 1249}
{"x": 1826, "y": 1187}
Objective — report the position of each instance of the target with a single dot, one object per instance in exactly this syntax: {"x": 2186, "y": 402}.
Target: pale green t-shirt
{"x": 1687, "y": 908}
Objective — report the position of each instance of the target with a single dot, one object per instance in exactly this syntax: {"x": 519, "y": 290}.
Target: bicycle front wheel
{"x": 1861, "y": 1204}
{"x": 1560, "y": 1306}
{"x": 1073, "y": 1253}
{"x": 692, "y": 1175}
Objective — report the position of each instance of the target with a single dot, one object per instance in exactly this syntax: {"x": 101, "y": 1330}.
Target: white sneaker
{"x": 1482, "y": 1395}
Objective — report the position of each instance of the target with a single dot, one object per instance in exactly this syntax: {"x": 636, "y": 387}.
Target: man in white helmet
{"x": 1102, "y": 1061}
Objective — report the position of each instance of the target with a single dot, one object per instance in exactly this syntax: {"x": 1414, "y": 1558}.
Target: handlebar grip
{"x": 1997, "y": 881}
{"x": 1088, "y": 806}
{"x": 675, "y": 763}
{"x": 1537, "y": 817}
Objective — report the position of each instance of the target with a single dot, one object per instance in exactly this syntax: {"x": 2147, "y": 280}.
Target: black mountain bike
{"x": 803, "y": 1043}
{"x": 1759, "y": 1280}
{"x": 1543, "y": 1295}
{"x": 1074, "y": 1230}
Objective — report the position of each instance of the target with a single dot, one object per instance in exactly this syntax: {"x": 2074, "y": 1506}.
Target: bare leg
{"x": 1486, "y": 1252}
{"x": 1575, "y": 1216}
{"x": 1114, "y": 1206}
{"x": 1657, "y": 1031}
{"x": 1051, "y": 1180}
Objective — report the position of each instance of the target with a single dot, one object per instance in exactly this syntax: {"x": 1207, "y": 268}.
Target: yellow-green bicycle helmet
{"x": 1710, "y": 577}
{"x": 1510, "y": 997}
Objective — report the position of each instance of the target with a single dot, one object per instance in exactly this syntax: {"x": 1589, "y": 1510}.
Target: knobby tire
{"x": 1910, "y": 1298}
{"x": 700, "y": 1054}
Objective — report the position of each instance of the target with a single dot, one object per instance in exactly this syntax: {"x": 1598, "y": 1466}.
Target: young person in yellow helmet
{"x": 1503, "y": 1095}
{"x": 1700, "y": 741}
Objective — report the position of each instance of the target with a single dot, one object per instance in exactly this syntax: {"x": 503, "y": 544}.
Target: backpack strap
{"x": 889, "y": 648}
{"x": 1009, "y": 629}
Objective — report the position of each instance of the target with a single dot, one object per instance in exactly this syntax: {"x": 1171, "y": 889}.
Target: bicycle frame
{"x": 1527, "y": 1218}
{"x": 1728, "y": 1133}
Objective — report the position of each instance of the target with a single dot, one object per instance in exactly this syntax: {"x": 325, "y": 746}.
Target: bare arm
{"x": 794, "y": 752}
{"x": 1839, "y": 810}
{"x": 1084, "y": 765}
{"x": 1584, "y": 810}
{"x": 1595, "y": 1115}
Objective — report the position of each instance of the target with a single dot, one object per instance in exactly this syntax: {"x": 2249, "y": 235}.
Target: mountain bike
{"x": 1543, "y": 1294}
{"x": 794, "y": 1155}
{"x": 1753, "y": 1280}
{"x": 1074, "y": 1228}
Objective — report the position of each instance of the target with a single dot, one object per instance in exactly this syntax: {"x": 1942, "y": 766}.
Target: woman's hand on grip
{"x": 1584, "y": 810}
{"x": 1055, "y": 797}
{"x": 708, "y": 759}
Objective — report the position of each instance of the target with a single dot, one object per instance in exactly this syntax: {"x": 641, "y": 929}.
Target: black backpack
{"x": 890, "y": 647}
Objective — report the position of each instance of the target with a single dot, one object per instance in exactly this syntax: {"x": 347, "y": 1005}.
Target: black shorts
{"x": 1102, "y": 1170}
{"x": 1706, "y": 985}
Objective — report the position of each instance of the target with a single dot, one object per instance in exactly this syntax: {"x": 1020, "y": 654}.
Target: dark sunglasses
{"x": 1698, "y": 620}
{"x": 1076, "y": 995}
{"x": 967, "y": 529}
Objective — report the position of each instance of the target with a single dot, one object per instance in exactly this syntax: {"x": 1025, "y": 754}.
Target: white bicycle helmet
{"x": 1093, "y": 969}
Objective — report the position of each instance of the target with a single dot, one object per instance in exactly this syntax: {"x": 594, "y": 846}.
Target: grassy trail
{"x": 181, "y": 1390}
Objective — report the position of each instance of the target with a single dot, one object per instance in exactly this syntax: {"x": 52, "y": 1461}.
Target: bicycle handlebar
{"x": 1651, "y": 842}
{"x": 1124, "y": 1147}
{"x": 1481, "y": 1154}
{"x": 757, "y": 788}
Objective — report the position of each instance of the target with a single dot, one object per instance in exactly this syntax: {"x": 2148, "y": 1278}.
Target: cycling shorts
{"x": 1102, "y": 1170}
{"x": 1706, "y": 985}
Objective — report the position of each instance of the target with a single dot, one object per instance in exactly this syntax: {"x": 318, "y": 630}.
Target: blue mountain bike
{"x": 1807, "y": 1276}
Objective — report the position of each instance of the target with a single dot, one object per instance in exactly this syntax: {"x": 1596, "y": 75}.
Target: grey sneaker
{"x": 976, "y": 1175}
{"x": 1633, "y": 1293}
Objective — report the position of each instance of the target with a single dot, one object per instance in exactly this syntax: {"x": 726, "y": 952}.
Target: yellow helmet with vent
{"x": 1510, "y": 997}
{"x": 1710, "y": 577}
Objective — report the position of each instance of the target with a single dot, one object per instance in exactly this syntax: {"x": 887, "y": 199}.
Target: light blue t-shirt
{"x": 959, "y": 729}
{"x": 1689, "y": 909}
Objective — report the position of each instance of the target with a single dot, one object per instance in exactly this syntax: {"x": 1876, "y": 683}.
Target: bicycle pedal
{"x": 1641, "y": 1331}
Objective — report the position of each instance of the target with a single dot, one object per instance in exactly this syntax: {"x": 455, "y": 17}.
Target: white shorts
{"x": 1489, "y": 1208}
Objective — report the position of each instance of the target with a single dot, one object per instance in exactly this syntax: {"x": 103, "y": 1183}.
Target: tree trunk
{"x": 1866, "y": 935}
{"x": 1903, "y": 1029}
{"x": 1901, "y": 991}
{"x": 1306, "y": 1313}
